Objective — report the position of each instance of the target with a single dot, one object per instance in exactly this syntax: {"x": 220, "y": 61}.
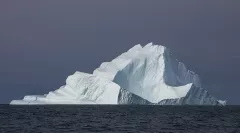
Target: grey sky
{"x": 42, "y": 42}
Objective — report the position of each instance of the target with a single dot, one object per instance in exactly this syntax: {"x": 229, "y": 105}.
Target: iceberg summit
{"x": 142, "y": 75}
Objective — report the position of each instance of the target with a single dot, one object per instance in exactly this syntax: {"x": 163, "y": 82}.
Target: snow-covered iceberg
{"x": 142, "y": 75}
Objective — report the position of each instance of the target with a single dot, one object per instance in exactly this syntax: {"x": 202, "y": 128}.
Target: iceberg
{"x": 148, "y": 75}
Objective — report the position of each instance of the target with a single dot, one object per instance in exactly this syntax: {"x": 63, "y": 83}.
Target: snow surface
{"x": 142, "y": 75}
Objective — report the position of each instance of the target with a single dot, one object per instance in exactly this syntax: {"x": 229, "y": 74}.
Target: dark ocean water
{"x": 119, "y": 119}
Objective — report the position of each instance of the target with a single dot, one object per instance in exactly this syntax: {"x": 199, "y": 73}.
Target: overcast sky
{"x": 42, "y": 42}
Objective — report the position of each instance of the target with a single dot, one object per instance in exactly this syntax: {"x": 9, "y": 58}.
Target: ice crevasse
{"x": 142, "y": 75}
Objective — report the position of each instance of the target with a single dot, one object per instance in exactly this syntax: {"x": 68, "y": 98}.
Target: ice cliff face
{"x": 142, "y": 75}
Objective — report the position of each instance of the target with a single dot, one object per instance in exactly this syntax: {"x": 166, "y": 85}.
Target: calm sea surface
{"x": 119, "y": 119}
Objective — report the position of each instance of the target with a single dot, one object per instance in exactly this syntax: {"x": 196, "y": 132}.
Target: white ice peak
{"x": 147, "y": 73}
